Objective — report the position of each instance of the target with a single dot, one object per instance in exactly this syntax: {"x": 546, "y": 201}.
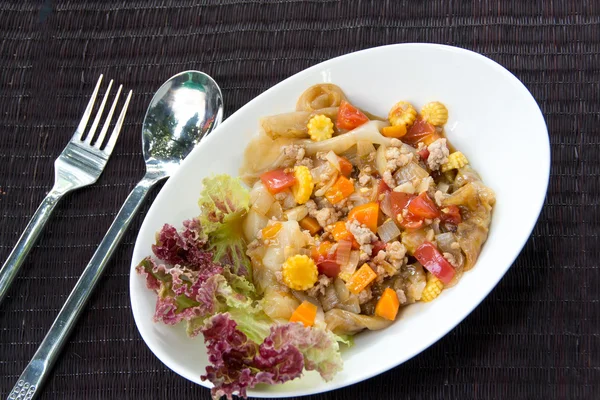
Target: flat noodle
{"x": 343, "y": 322}
{"x": 263, "y": 154}
{"x": 341, "y": 143}
{"x": 322, "y": 95}
{"x": 472, "y": 233}
{"x": 293, "y": 124}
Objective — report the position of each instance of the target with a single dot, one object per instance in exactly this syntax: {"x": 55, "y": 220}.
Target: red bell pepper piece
{"x": 451, "y": 214}
{"x": 422, "y": 206}
{"x": 433, "y": 261}
{"x": 400, "y": 202}
{"x": 329, "y": 268}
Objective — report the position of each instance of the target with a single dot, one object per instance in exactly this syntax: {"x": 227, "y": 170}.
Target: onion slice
{"x": 333, "y": 159}
{"x": 349, "y": 268}
{"x": 296, "y": 213}
{"x": 261, "y": 199}
{"x": 343, "y": 252}
{"x": 388, "y": 231}
{"x": 386, "y": 206}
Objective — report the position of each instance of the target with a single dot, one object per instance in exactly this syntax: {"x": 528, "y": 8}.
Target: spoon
{"x": 184, "y": 109}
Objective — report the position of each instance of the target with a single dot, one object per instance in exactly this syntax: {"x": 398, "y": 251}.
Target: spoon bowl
{"x": 183, "y": 110}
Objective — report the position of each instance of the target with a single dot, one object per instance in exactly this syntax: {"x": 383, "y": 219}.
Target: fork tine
{"x": 110, "y": 145}
{"x": 92, "y": 130}
{"x": 100, "y": 139}
{"x": 88, "y": 111}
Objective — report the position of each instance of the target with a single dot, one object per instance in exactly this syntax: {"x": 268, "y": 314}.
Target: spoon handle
{"x": 38, "y": 369}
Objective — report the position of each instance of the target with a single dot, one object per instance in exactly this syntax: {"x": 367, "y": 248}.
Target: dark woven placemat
{"x": 535, "y": 337}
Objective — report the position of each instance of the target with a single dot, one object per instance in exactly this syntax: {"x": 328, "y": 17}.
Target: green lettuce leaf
{"x": 224, "y": 202}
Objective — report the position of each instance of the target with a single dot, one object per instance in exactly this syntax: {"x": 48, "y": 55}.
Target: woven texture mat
{"x": 536, "y": 336}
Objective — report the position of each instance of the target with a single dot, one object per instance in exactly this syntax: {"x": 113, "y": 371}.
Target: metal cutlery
{"x": 80, "y": 164}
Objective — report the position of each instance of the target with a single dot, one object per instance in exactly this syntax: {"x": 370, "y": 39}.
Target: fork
{"x": 80, "y": 164}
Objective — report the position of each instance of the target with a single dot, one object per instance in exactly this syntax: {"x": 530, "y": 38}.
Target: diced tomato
{"x": 382, "y": 188}
{"x": 277, "y": 180}
{"x": 433, "y": 261}
{"x": 410, "y": 221}
{"x": 421, "y": 131}
{"x": 451, "y": 214}
{"x": 422, "y": 206}
{"x": 423, "y": 153}
{"x": 400, "y": 202}
{"x": 349, "y": 117}
{"x": 378, "y": 246}
{"x": 329, "y": 268}
{"x": 322, "y": 252}
{"x": 345, "y": 166}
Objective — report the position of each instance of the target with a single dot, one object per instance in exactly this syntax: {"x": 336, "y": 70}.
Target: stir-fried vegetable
{"x": 344, "y": 248}
{"x": 341, "y": 189}
{"x": 388, "y": 305}
{"x": 340, "y": 232}
{"x": 310, "y": 224}
{"x": 329, "y": 268}
{"x": 451, "y": 214}
{"x": 260, "y": 198}
{"x": 361, "y": 279}
{"x": 345, "y": 166}
{"x": 305, "y": 313}
{"x": 303, "y": 187}
{"x": 322, "y": 252}
{"x": 394, "y": 131}
{"x": 435, "y": 113}
{"x": 320, "y": 127}
{"x": 388, "y": 231}
{"x": 350, "y": 117}
{"x": 412, "y": 239}
{"x": 278, "y": 180}
{"x": 421, "y": 132}
{"x": 402, "y": 113}
{"x": 299, "y": 272}
{"x": 434, "y": 262}
{"x": 423, "y": 207}
{"x": 270, "y": 231}
{"x": 399, "y": 203}
{"x": 366, "y": 214}
{"x": 456, "y": 160}
{"x": 433, "y": 288}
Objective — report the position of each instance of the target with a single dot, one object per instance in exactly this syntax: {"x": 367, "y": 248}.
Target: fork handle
{"x": 27, "y": 240}
{"x": 30, "y": 381}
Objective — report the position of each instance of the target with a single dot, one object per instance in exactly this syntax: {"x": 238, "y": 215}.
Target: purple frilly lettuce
{"x": 185, "y": 248}
{"x": 183, "y": 294}
{"x": 194, "y": 287}
{"x": 238, "y": 364}
{"x": 203, "y": 277}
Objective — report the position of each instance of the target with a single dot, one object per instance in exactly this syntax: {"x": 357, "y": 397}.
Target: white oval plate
{"x": 494, "y": 121}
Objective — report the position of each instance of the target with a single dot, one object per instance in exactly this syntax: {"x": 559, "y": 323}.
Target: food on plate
{"x": 344, "y": 219}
